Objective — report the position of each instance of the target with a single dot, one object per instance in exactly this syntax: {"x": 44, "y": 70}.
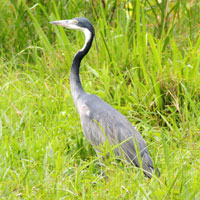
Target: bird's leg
{"x": 101, "y": 163}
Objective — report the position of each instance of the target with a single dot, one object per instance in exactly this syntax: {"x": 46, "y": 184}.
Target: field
{"x": 147, "y": 66}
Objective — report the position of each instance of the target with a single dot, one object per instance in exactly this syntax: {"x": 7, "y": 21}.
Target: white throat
{"x": 88, "y": 35}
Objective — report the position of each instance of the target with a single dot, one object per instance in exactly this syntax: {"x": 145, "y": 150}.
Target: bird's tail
{"x": 148, "y": 166}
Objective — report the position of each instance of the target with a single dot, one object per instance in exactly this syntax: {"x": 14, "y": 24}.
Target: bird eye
{"x": 75, "y": 22}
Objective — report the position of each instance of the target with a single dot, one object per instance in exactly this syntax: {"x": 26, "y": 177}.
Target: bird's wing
{"x": 100, "y": 121}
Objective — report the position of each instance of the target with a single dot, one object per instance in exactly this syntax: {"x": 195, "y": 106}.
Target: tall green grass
{"x": 147, "y": 67}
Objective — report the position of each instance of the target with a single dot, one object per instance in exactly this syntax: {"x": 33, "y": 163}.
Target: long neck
{"x": 75, "y": 83}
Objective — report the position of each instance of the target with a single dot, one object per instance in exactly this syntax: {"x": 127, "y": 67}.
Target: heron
{"x": 100, "y": 121}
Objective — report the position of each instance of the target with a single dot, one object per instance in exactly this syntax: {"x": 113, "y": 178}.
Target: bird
{"x": 100, "y": 121}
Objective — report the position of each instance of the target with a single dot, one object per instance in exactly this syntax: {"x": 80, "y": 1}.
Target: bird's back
{"x": 101, "y": 122}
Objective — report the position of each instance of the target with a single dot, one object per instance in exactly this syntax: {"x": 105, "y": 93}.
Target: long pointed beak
{"x": 60, "y": 22}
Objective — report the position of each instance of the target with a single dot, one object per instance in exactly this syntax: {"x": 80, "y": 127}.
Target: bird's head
{"x": 79, "y": 23}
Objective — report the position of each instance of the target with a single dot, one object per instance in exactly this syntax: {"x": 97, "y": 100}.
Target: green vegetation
{"x": 148, "y": 67}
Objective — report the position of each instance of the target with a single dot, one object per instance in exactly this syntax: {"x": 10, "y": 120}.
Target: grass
{"x": 147, "y": 67}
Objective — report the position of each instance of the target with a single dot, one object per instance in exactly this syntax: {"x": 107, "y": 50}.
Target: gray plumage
{"x": 99, "y": 120}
